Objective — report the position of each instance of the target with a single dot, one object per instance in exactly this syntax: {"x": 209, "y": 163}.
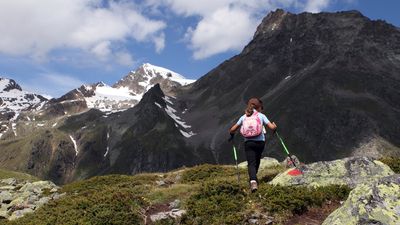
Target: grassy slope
{"x": 209, "y": 193}
{"x": 11, "y": 174}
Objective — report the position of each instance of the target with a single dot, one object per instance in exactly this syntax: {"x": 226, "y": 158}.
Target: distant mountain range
{"x": 331, "y": 81}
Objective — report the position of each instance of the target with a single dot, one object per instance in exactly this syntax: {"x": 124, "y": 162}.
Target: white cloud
{"x": 226, "y": 25}
{"x": 226, "y": 29}
{"x": 35, "y": 28}
{"x": 315, "y": 6}
{"x": 124, "y": 58}
{"x": 102, "y": 50}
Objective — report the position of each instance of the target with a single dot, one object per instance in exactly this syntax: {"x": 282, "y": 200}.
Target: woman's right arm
{"x": 272, "y": 125}
{"x": 234, "y": 129}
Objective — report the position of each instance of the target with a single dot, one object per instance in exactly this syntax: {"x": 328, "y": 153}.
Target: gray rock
{"x": 20, "y": 213}
{"x": 288, "y": 162}
{"x": 158, "y": 216}
{"x": 7, "y": 188}
{"x": 38, "y": 186}
{"x": 348, "y": 171}
{"x": 17, "y": 202}
{"x": 5, "y": 196}
{"x": 4, "y": 214}
{"x": 175, "y": 204}
{"x": 370, "y": 203}
{"x": 32, "y": 199}
{"x": 253, "y": 221}
{"x": 42, "y": 201}
{"x": 161, "y": 183}
{"x": 9, "y": 181}
{"x": 56, "y": 196}
{"x": 175, "y": 213}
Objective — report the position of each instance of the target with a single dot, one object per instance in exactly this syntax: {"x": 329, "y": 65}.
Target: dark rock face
{"x": 329, "y": 80}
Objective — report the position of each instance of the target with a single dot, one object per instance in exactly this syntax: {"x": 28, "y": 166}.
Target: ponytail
{"x": 253, "y": 103}
{"x": 250, "y": 109}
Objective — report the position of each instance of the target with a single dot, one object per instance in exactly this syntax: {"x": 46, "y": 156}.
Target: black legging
{"x": 253, "y": 151}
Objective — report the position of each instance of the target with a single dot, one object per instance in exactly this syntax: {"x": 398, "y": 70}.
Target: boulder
{"x": 370, "y": 203}
{"x": 288, "y": 162}
{"x": 348, "y": 171}
{"x": 3, "y": 214}
{"x": 18, "y": 197}
{"x": 7, "y": 188}
{"x": 174, "y": 213}
{"x": 20, "y": 213}
{"x": 38, "y": 186}
{"x": 265, "y": 162}
{"x": 5, "y": 196}
{"x": 9, "y": 181}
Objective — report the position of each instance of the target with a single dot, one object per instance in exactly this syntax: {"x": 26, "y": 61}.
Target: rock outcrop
{"x": 348, "y": 171}
{"x": 18, "y": 198}
{"x": 370, "y": 203}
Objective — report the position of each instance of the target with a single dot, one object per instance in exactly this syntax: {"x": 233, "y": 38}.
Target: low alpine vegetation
{"x": 210, "y": 194}
{"x": 392, "y": 162}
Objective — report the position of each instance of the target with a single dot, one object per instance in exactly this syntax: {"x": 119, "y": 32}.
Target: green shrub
{"x": 4, "y": 174}
{"x": 101, "y": 182}
{"x": 208, "y": 171}
{"x": 392, "y": 162}
{"x": 216, "y": 202}
{"x": 107, "y": 206}
{"x": 296, "y": 200}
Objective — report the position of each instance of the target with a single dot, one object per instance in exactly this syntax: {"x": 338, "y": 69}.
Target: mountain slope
{"x": 148, "y": 137}
{"x": 331, "y": 81}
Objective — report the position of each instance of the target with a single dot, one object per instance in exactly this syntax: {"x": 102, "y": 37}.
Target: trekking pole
{"x": 286, "y": 150}
{"x": 237, "y": 166}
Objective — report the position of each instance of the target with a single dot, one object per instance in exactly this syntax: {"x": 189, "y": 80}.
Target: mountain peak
{"x": 8, "y": 84}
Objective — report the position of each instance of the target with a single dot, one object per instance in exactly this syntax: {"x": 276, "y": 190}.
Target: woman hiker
{"x": 251, "y": 126}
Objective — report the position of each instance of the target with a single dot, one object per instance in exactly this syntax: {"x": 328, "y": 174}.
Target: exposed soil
{"x": 314, "y": 216}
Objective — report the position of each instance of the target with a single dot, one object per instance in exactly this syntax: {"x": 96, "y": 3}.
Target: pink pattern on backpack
{"x": 251, "y": 126}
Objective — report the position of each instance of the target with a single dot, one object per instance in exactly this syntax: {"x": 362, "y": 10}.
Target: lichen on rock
{"x": 348, "y": 171}
{"x": 374, "y": 203}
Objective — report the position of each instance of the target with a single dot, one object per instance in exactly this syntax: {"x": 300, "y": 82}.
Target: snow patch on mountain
{"x": 152, "y": 71}
{"x": 108, "y": 147}
{"x": 109, "y": 99}
{"x": 179, "y": 122}
{"x": 75, "y": 145}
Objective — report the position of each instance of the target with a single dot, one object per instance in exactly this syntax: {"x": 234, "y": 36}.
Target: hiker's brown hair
{"x": 253, "y": 103}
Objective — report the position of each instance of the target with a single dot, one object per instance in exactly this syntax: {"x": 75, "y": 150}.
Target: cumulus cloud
{"x": 226, "y": 25}
{"x": 35, "y": 28}
{"x": 225, "y": 29}
{"x": 315, "y": 6}
{"x": 124, "y": 58}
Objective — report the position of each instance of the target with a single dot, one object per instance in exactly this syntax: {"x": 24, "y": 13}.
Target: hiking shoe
{"x": 253, "y": 186}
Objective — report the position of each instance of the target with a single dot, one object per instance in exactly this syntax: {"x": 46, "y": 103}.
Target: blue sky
{"x": 53, "y": 46}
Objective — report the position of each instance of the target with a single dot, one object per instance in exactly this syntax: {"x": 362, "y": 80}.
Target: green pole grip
{"x": 283, "y": 144}
{"x": 234, "y": 152}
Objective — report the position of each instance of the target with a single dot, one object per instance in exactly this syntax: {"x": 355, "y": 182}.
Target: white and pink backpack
{"x": 251, "y": 126}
